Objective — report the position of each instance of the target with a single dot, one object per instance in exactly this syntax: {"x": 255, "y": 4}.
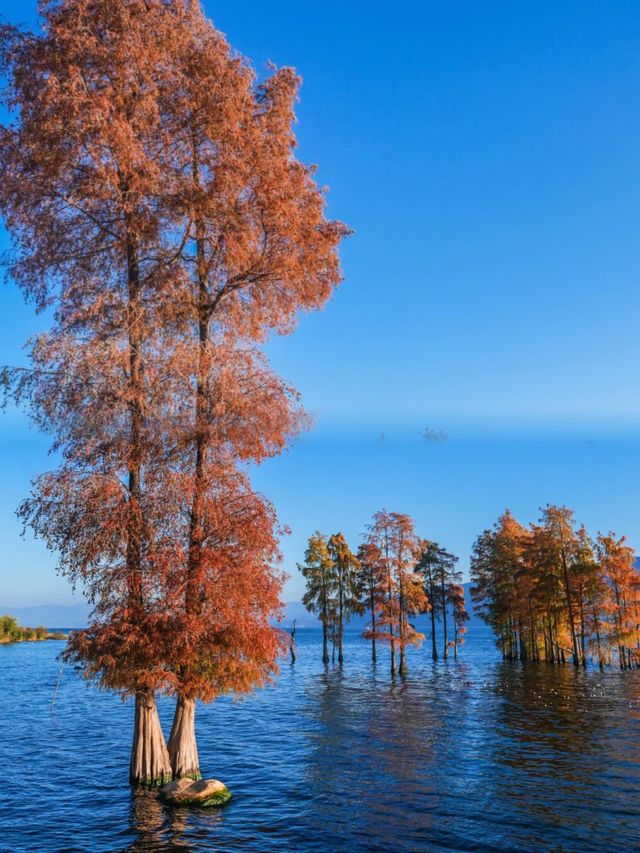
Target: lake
{"x": 480, "y": 755}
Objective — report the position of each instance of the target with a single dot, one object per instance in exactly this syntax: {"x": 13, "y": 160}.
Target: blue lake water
{"x": 480, "y": 755}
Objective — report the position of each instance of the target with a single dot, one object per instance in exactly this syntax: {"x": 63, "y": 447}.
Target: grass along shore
{"x": 12, "y": 632}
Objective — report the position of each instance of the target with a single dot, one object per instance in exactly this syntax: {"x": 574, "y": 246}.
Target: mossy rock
{"x": 203, "y": 793}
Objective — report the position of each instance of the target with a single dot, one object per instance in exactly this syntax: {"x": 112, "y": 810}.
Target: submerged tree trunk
{"x": 552, "y": 651}
{"x": 292, "y": 642}
{"x": 445, "y": 644}
{"x": 534, "y": 637}
{"x": 373, "y": 629}
{"x": 402, "y": 628}
{"x": 596, "y": 623}
{"x": 432, "y": 596}
{"x": 150, "y": 766}
{"x": 403, "y": 663}
{"x": 340, "y": 620}
{"x": 183, "y": 749}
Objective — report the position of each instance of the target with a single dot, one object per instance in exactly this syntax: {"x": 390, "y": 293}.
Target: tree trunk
{"x": 597, "y": 630}
{"x": 582, "y": 636}
{"x": 403, "y": 663}
{"x": 183, "y": 749}
{"x": 445, "y": 650}
{"x": 572, "y": 624}
{"x": 373, "y": 630}
{"x": 402, "y": 625}
{"x": 340, "y": 618}
{"x": 150, "y": 766}
{"x": 432, "y": 596}
{"x": 534, "y": 639}
{"x": 292, "y": 642}
{"x": 552, "y": 653}
{"x": 182, "y": 742}
{"x": 402, "y": 632}
{"x": 325, "y": 642}
{"x": 135, "y": 336}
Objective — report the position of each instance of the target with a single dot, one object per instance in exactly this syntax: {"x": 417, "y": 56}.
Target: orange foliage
{"x": 550, "y": 593}
{"x": 400, "y": 593}
{"x": 154, "y": 200}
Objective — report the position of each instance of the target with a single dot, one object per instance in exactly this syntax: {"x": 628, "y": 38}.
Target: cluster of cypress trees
{"x": 394, "y": 577}
{"x": 552, "y": 593}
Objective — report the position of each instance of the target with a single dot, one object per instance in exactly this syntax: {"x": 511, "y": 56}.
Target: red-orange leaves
{"x": 154, "y": 199}
{"x": 400, "y": 594}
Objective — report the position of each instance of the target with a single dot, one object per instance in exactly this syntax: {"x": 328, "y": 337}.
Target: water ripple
{"x": 475, "y": 756}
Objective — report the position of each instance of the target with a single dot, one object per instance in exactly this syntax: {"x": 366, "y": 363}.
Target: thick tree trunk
{"x": 150, "y": 766}
{"x": 183, "y": 749}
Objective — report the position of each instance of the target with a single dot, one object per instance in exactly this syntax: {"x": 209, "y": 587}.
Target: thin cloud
{"x": 433, "y": 436}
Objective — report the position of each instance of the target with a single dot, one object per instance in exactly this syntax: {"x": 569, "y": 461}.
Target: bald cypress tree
{"x": 155, "y": 202}
{"x": 345, "y": 568}
{"x": 317, "y": 570}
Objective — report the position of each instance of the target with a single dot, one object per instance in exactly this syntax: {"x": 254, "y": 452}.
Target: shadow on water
{"x": 392, "y": 751}
{"x": 460, "y": 757}
{"x": 162, "y": 829}
{"x": 565, "y": 756}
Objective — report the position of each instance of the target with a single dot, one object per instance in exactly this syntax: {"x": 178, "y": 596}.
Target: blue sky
{"x": 487, "y": 156}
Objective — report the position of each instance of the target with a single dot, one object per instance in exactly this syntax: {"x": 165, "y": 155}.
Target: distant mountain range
{"x": 77, "y": 615}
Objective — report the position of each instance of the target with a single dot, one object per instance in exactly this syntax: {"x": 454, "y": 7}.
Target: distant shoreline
{"x": 11, "y": 632}
{"x": 8, "y": 641}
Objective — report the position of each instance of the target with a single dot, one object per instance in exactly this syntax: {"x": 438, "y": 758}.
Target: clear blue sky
{"x": 488, "y": 156}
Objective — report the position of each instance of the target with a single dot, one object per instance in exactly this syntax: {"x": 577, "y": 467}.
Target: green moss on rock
{"x": 202, "y": 793}
{"x": 218, "y": 799}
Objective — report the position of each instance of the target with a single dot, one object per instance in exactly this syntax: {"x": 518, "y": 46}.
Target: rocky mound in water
{"x": 203, "y": 793}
